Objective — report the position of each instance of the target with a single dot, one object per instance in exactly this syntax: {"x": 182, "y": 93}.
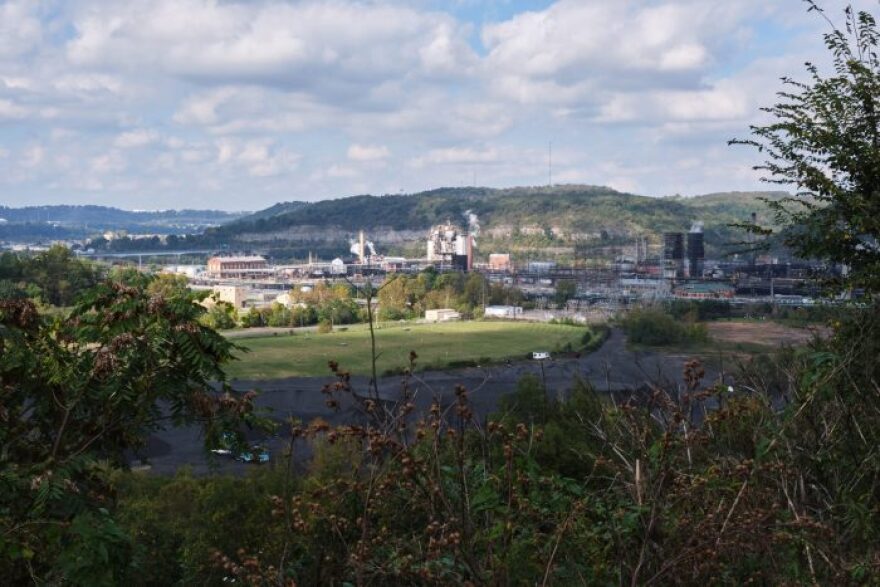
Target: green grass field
{"x": 438, "y": 346}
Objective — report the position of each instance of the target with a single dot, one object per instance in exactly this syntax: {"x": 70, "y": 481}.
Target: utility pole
{"x": 544, "y": 389}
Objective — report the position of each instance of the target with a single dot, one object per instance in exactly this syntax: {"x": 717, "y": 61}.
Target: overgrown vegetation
{"x": 654, "y": 327}
{"x": 650, "y": 489}
{"x": 78, "y": 393}
{"x": 53, "y": 277}
{"x": 824, "y": 140}
{"x": 323, "y": 303}
{"x": 401, "y": 297}
{"x": 410, "y": 296}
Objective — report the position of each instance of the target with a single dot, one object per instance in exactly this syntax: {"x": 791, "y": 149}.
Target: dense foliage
{"x": 322, "y": 303}
{"x": 79, "y": 392}
{"x": 53, "y": 277}
{"x": 409, "y": 296}
{"x": 653, "y": 326}
{"x": 401, "y": 297}
{"x": 825, "y": 141}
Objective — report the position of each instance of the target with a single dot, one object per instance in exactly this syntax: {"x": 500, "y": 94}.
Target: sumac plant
{"x": 78, "y": 394}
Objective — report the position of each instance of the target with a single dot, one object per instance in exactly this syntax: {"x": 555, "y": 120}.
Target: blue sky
{"x": 238, "y": 104}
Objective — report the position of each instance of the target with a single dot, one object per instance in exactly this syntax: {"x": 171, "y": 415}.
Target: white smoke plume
{"x": 473, "y": 222}
{"x": 368, "y": 246}
{"x": 697, "y": 227}
{"x": 473, "y": 225}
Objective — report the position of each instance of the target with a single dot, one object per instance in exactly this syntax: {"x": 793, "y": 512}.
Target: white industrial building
{"x": 442, "y": 315}
{"x": 509, "y": 312}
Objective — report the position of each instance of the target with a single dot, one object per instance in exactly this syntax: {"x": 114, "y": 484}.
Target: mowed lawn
{"x": 437, "y": 345}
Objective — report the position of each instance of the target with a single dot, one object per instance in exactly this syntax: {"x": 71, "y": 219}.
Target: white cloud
{"x": 248, "y": 109}
{"x": 272, "y": 43}
{"x": 218, "y": 98}
{"x": 89, "y": 83}
{"x": 202, "y": 108}
{"x": 16, "y": 83}
{"x": 108, "y": 163}
{"x": 20, "y": 27}
{"x": 457, "y": 156}
{"x": 335, "y": 171}
{"x": 33, "y": 156}
{"x": 368, "y": 152}
{"x": 195, "y": 155}
{"x": 723, "y": 102}
{"x": 576, "y": 51}
{"x": 9, "y": 109}
{"x": 136, "y": 138}
{"x": 225, "y": 151}
{"x": 258, "y": 157}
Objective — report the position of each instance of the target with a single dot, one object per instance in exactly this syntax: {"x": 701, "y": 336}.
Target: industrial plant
{"x": 450, "y": 247}
{"x": 645, "y": 269}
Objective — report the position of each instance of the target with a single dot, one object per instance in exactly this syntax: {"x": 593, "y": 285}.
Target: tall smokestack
{"x": 361, "y": 249}
{"x": 470, "y": 253}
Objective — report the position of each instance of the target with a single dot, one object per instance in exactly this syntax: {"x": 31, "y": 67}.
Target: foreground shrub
{"x": 655, "y": 327}
{"x": 772, "y": 484}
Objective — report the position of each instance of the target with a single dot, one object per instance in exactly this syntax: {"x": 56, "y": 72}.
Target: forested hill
{"x": 564, "y": 211}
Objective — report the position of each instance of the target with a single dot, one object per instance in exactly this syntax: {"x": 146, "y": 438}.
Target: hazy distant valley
{"x": 522, "y": 220}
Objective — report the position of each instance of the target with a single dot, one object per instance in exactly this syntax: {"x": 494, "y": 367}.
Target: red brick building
{"x": 246, "y": 267}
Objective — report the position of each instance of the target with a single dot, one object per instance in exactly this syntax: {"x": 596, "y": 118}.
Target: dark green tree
{"x": 77, "y": 396}
{"x": 220, "y": 316}
{"x": 825, "y": 142}
{"x": 55, "y": 276}
{"x": 566, "y": 290}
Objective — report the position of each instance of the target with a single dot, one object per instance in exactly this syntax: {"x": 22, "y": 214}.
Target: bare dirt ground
{"x": 764, "y": 333}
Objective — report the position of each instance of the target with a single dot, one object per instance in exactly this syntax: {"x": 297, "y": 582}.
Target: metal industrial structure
{"x": 673, "y": 255}
{"x": 696, "y": 252}
{"x": 451, "y": 247}
{"x": 607, "y": 272}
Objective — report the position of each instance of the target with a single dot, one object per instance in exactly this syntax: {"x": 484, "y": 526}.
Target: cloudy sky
{"x": 237, "y": 104}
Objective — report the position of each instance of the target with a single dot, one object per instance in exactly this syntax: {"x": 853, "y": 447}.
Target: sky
{"x": 238, "y": 104}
